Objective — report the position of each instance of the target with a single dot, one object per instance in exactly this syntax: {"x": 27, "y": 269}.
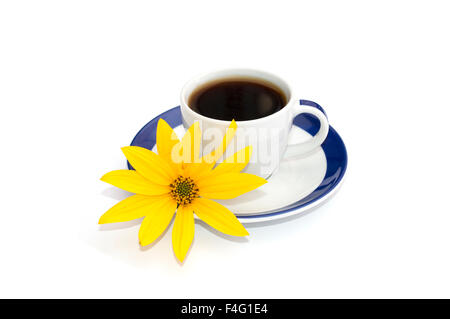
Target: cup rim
{"x": 183, "y": 95}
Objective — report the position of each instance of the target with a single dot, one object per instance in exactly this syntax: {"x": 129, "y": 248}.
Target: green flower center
{"x": 183, "y": 190}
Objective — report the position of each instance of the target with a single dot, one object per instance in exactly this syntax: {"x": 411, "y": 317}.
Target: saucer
{"x": 298, "y": 185}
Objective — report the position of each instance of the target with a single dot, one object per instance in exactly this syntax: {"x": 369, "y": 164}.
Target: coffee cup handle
{"x": 299, "y": 149}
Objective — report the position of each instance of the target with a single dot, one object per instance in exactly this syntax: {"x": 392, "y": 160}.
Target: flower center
{"x": 183, "y": 190}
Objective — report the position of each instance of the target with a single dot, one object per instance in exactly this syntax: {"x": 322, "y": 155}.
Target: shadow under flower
{"x": 116, "y": 193}
{"x": 121, "y": 225}
{"x": 220, "y": 234}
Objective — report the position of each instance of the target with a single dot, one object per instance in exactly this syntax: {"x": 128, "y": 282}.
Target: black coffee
{"x": 238, "y": 99}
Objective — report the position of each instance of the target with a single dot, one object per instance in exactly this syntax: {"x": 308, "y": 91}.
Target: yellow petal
{"x": 234, "y": 163}
{"x": 156, "y": 221}
{"x": 207, "y": 162}
{"x": 133, "y": 207}
{"x": 197, "y": 170}
{"x": 183, "y": 231}
{"x": 191, "y": 144}
{"x": 218, "y": 217}
{"x": 166, "y": 140}
{"x": 226, "y": 186}
{"x": 133, "y": 182}
{"x": 218, "y": 152}
{"x": 149, "y": 165}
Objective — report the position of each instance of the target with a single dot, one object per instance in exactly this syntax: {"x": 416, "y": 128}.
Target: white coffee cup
{"x": 267, "y": 135}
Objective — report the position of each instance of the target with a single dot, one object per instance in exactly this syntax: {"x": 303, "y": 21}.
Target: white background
{"x": 78, "y": 79}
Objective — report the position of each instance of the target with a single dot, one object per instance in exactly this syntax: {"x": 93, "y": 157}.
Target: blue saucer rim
{"x": 304, "y": 121}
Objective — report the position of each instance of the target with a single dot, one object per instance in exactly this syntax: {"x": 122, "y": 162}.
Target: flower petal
{"x": 149, "y": 165}
{"x": 166, "y": 140}
{"x": 156, "y": 221}
{"x": 226, "y": 186}
{"x": 234, "y": 163}
{"x": 218, "y": 152}
{"x": 197, "y": 170}
{"x": 133, "y": 207}
{"x": 133, "y": 182}
{"x": 191, "y": 144}
{"x": 206, "y": 163}
{"x": 218, "y": 217}
{"x": 183, "y": 231}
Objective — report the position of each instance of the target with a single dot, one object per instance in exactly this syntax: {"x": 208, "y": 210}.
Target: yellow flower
{"x": 177, "y": 179}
